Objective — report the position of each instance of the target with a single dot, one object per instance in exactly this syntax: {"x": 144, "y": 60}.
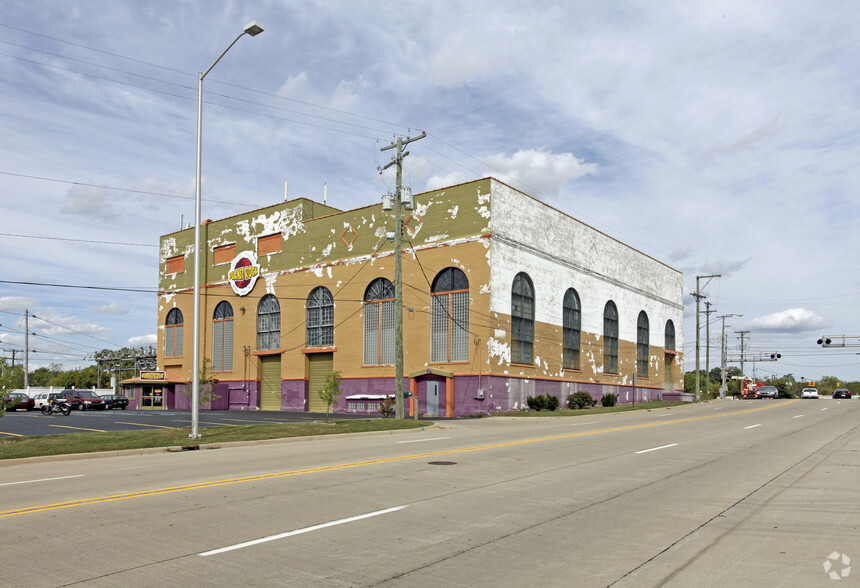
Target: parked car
{"x": 41, "y": 399}
{"x": 842, "y": 393}
{"x": 115, "y": 401}
{"x": 83, "y": 399}
{"x": 768, "y": 392}
{"x": 19, "y": 400}
{"x": 809, "y": 393}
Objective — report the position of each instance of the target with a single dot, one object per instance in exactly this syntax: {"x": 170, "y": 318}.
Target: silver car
{"x": 768, "y": 392}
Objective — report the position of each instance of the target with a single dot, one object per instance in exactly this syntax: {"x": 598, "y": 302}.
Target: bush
{"x": 609, "y": 399}
{"x": 580, "y": 400}
{"x": 386, "y": 407}
{"x": 541, "y": 402}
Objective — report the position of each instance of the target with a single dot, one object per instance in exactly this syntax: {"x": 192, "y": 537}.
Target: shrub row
{"x": 542, "y": 402}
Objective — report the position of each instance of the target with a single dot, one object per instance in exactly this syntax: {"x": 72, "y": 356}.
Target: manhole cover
{"x": 442, "y": 463}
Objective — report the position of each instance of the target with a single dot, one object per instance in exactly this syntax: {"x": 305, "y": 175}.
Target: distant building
{"x": 505, "y": 297}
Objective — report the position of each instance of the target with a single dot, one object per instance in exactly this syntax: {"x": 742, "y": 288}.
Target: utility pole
{"x": 26, "y": 348}
{"x": 707, "y": 313}
{"x": 742, "y": 333}
{"x": 698, "y": 296}
{"x": 398, "y": 269}
{"x": 724, "y": 352}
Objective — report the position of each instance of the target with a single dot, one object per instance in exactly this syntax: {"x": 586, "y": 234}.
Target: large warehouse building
{"x": 504, "y": 297}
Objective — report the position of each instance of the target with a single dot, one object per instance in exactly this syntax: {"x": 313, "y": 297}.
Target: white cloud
{"x": 540, "y": 170}
{"x": 793, "y": 320}
{"x": 113, "y": 308}
{"x": 16, "y": 303}
{"x": 142, "y": 341}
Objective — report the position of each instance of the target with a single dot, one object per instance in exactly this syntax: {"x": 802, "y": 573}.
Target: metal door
{"x": 270, "y": 382}
{"x": 432, "y": 400}
{"x": 319, "y": 367}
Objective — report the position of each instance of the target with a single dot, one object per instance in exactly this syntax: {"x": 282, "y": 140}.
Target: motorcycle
{"x": 56, "y": 405}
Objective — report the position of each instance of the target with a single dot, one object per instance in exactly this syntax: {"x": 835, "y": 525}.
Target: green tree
{"x": 207, "y": 384}
{"x": 330, "y": 391}
{"x": 42, "y": 375}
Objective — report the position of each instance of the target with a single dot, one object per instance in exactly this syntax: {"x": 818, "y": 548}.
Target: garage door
{"x": 270, "y": 382}
{"x": 321, "y": 364}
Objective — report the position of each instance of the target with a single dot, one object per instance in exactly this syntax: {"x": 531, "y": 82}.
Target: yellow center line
{"x": 143, "y": 425}
{"x": 78, "y": 428}
{"x": 315, "y": 470}
{"x": 13, "y": 434}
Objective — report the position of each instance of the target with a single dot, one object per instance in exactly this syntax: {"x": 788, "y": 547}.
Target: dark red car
{"x": 19, "y": 400}
{"x": 83, "y": 399}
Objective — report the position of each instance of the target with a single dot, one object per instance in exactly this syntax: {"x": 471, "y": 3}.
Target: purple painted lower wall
{"x": 472, "y": 395}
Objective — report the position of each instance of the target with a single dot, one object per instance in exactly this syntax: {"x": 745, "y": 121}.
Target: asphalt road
{"x": 23, "y": 423}
{"x": 729, "y": 493}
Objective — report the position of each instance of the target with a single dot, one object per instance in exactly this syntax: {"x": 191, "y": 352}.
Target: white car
{"x": 809, "y": 393}
{"x": 41, "y": 399}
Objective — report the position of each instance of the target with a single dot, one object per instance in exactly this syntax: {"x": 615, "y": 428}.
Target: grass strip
{"x": 68, "y": 443}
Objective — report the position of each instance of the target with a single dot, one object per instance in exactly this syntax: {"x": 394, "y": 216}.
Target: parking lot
{"x": 21, "y": 424}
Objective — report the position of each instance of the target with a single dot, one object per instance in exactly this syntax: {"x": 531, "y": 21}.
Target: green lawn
{"x": 40, "y": 445}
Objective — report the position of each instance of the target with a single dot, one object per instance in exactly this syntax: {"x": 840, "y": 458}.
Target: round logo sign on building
{"x": 244, "y": 272}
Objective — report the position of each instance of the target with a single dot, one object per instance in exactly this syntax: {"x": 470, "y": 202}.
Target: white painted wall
{"x": 559, "y": 252}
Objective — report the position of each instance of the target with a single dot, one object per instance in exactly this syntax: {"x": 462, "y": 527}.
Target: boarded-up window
{"x": 173, "y": 334}
{"x": 269, "y": 244}
{"x": 176, "y": 265}
{"x": 224, "y": 254}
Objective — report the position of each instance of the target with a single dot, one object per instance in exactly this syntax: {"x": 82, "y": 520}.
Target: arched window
{"x": 571, "y": 325}
{"x": 610, "y": 338}
{"x": 320, "y": 325}
{"x": 173, "y": 334}
{"x": 522, "y": 320}
{"x": 643, "y": 332}
{"x": 449, "y": 316}
{"x": 269, "y": 323}
{"x": 379, "y": 323}
{"x": 222, "y": 338}
{"x": 669, "y": 343}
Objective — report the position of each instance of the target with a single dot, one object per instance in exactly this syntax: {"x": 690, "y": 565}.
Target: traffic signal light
{"x": 775, "y": 355}
{"x": 824, "y": 341}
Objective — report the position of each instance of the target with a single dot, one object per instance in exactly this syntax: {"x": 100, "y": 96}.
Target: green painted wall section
{"x": 315, "y": 234}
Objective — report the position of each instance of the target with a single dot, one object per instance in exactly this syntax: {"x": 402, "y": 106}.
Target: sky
{"x": 719, "y": 137}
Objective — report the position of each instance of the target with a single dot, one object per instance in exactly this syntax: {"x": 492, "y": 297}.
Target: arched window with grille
{"x": 669, "y": 338}
{"x": 643, "y": 332}
{"x": 320, "y": 315}
{"x": 173, "y": 328}
{"x": 449, "y": 316}
{"x": 222, "y": 338}
{"x": 522, "y": 320}
{"x": 571, "y": 325}
{"x": 269, "y": 323}
{"x": 379, "y": 323}
{"x": 610, "y": 338}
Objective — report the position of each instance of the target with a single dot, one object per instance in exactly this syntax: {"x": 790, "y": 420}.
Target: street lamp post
{"x": 253, "y": 29}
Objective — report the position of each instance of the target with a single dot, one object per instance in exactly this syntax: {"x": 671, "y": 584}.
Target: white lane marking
{"x": 656, "y": 448}
{"x": 300, "y": 531}
{"x": 797, "y": 416}
{"x": 42, "y": 480}
{"x": 753, "y": 426}
{"x": 580, "y": 424}
{"x": 422, "y": 440}
{"x": 825, "y": 408}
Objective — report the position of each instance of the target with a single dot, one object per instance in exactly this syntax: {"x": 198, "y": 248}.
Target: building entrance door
{"x": 152, "y": 397}
{"x": 319, "y": 366}
{"x": 270, "y": 382}
{"x": 432, "y": 401}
